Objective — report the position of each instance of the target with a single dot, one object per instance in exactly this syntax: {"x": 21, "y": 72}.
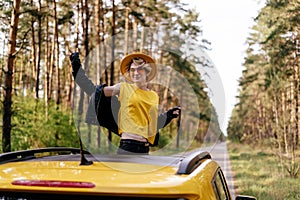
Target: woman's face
{"x": 138, "y": 73}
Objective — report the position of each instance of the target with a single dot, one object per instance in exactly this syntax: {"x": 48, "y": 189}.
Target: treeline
{"x": 39, "y": 36}
{"x": 268, "y": 111}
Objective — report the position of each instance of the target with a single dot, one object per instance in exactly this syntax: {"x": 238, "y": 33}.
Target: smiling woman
{"x": 172, "y": 76}
{"x": 138, "y": 113}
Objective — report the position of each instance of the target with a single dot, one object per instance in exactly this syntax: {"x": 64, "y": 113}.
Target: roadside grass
{"x": 257, "y": 172}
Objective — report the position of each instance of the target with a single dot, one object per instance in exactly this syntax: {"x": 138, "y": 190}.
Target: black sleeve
{"x": 103, "y": 111}
{"x": 84, "y": 82}
{"x": 163, "y": 120}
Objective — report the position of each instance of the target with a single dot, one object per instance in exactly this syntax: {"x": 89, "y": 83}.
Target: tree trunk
{"x": 37, "y": 79}
{"x": 113, "y": 29}
{"x": 52, "y": 58}
{"x": 284, "y": 115}
{"x": 99, "y": 36}
{"x": 86, "y": 49}
{"x": 76, "y": 46}
{"x": 278, "y": 132}
{"x": 47, "y": 66}
{"x": 33, "y": 49}
{"x": 142, "y": 40}
{"x": 135, "y": 35}
{"x": 112, "y": 66}
{"x": 126, "y": 30}
{"x": 81, "y": 95}
{"x": 7, "y": 110}
{"x": 297, "y": 89}
{"x": 2, "y": 63}
{"x": 20, "y": 82}
{"x": 56, "y": 55}
{"x": 104, "y": 50}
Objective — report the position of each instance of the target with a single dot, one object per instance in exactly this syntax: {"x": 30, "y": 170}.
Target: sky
{"x": 226, "y": 24}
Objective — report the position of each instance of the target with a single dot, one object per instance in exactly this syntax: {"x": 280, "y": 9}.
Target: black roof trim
{"x": 191, "y": 162}
{"x": 30, "y": 154}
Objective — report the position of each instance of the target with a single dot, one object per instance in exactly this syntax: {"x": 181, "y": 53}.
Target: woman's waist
{"x": 132, "y": 136}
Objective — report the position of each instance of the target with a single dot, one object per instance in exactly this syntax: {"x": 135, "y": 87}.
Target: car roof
{"x": 186, "y": 162}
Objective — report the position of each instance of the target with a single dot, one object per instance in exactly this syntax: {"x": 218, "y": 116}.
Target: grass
{"x": 257, "y": 172}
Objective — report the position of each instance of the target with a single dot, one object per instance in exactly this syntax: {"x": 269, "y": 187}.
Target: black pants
{"x": 128, "y": 146}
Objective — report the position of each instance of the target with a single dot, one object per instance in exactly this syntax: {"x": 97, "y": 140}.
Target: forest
{"x": 267, "y": 112}
{"x": 41, "y": 104}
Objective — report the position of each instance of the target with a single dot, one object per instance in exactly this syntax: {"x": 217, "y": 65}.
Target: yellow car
{"x": 71, "y": 173}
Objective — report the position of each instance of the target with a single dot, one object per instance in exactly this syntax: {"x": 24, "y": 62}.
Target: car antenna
{"x": 83, "y": 160}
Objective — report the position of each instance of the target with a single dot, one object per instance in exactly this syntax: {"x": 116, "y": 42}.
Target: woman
{"x": 138, "y": 113}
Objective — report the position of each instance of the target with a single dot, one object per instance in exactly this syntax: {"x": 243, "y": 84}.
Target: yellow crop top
{"x": 138, "y": 111}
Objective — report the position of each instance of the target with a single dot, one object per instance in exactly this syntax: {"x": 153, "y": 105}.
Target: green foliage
{"x": 33, "y": 129}
{"x": 257, "y": 173}
{"x": 269, "y": 88}
{"x": 66, "y": 18}
{"x": 293, "y": 169}
{"x": 164, "y": 138}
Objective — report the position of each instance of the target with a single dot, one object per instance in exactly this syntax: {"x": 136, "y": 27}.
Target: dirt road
{"x": 220, "y": 154}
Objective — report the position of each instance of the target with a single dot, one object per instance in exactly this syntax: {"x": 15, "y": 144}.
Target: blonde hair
{"x": 147, "y": 68}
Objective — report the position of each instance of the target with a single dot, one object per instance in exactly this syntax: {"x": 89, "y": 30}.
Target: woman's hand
{"x": 174, "y": 112}
{"x": 76, "y": 63}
